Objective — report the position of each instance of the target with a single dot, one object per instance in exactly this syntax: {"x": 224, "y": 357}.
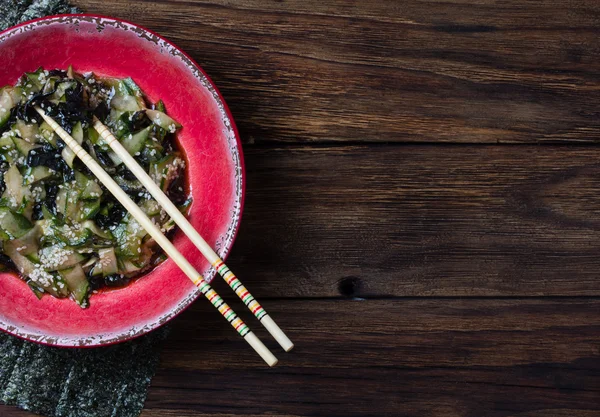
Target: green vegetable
{"x": 58, "y": 224}
{"x": 161, "y": 119}
{"x": 107, "y": 264}
{"x": 67, "y": 153}
{"x": 135, "y": 143}
{"x": 36, "y": 174}
{"x": 77, "y": 283}
{"x": 6, "y": 104}
{"x": 23, "y": 146}
{"x": 13, "y": 225}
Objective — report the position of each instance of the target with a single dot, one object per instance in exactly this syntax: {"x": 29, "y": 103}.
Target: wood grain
{"x": 439, "y": 358}
{"x": 391, "y": 358}
{"x": 452, "y": 71}
{"x": 421, "y": 268}
{"x": 373, "y": 221}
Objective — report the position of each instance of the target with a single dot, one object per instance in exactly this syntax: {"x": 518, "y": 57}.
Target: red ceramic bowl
{"x": 111, "y": 47}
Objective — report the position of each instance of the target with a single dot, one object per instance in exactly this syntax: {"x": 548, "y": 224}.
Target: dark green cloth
{"x": 102, "y": 382}
{"x": 13, "y": 12}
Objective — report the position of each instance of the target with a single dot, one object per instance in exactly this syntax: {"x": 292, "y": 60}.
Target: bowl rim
{"x": 115, "y": 338}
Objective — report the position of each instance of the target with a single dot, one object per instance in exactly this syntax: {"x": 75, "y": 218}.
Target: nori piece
{"x": 90, "y": 382}
{"x": 101, "y": 382}
{"x": 13, "y": 12}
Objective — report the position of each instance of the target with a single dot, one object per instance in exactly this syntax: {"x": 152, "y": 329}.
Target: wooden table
{"x": 422, "y": 213}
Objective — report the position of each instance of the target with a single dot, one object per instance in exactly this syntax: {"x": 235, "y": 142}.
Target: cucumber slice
{"x": 129, "y": 186}
{"x": 13, "y": 225}
{"x": 28, "y": 244}
{"x": 59, "y": 95}
{"x": 6, "y": 105}
{"x": 61, "y": 200}
{"x": 16, "y": 195}
{"x": 92, "y": 191}
{"x": 96, "y": 139}
{"x": 130, "y": 242}
{"x": 28, "y": 132}
{"x": 130, "y": 248}
{"x": 36, "y": 78}
{"x": 39, "y": 292}
{"x": 36, "y": 174}
{"x": 48, "y": 216}
{"x": 131, "y": 87}
{"x": 31, "y": 83}
{"x": 134, "y": 229}
{"x": 126, "y": 103}
{"x": 72, "y": 206}
{"x": 153, "y": 151}
{"x": 77, "y": 284}
{"x": 137, "y": 264}
{"x": 129, "y": 236}
{"x": 52, "y": 283}
{"x": 89, "y": 263}
{"x": 60, "y": 285}
{"x": 15, "y": 192}
{"x": 93, "y": 227}
{"x": 135, "y": 143}
{"x": 150, "y": 207}
{"x": 107, "y": 264}
{"x": 57, "y": 257}
{"x": 168, "y": 226}
{"x": 6, "y": 143}
{"x": 12, "y": 156}
{"x": 70, "y": 235}
{"x": 50, "y": 84}
{"x": 89, "y": 189}
{"x": 89, "y": 209}
{"x": 67, "y": 153}
{"x": 114, "y": 158}
{"x": 161, "y": 119}
{"x": 23, "y": 146}
{"x": 129, "y": 267}
{"x": 24, "y": 265}
{"x": 160, "y": 106}
{"x": 77, "y": 133}
{"x": 166, "y": 170}
{"x": 127, "y": 97}
{"x": 48, "y": 134}
{"x": 81, "y": 180}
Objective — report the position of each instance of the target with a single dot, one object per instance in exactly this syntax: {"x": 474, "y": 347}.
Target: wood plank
{"x": 452, "y": 71}
{"x": 389, "y": 358}
{"x": 406, "y": 220}
{"x": 10, "y": 411}
{"x": 420, "y": 220}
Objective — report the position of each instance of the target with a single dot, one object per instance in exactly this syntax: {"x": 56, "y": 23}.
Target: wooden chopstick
{"x": 162, "y": 240}
{"x": 194, "y": 236}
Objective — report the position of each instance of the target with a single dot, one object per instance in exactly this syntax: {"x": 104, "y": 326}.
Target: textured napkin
{"x": 13, "y": 12}
{"x": 102, "y": 382}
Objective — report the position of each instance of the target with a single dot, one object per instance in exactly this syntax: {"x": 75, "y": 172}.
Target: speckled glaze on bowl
{"x": 111, "y": 47}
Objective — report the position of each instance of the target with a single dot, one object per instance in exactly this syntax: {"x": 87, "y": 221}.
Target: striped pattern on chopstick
{"x": 240, "y": 290}
{"x": 161, "y": 240}
{"x": 223, "y": 308}
{"x": 189, "y": 230}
